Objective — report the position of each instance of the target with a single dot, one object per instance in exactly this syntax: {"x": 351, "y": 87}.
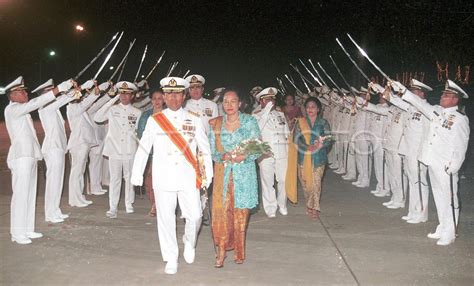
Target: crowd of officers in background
{"x": 401, "y": 137}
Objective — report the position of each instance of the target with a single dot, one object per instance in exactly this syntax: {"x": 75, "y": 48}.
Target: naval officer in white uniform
{"x": 120, "y": 144}
{"x": 275, "y": 131}
{"x": 23, "y": 155}
{"x": 444, "y": 151}
{"x": 175, "y": 135}
{"x": 54, "y": 149}
{"x": 204, "y": 108}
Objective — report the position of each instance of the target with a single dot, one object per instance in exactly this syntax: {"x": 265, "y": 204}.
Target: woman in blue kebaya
{"x": 235, "y": 188}
{"x": 312, "y": 140}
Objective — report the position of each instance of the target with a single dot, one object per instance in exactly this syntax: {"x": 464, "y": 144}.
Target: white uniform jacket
{"x": 448, "y": 135}
{"x": 415, "y": 129}
{"x": 121, "y": 141}
{"x": 82, "y": 131}
{"x": 24, "y": 142}
{"x": 274, "y": 130}
{"x": 204, "y": 108}
{"x": 53, "y": 124}
{"x": 171, "y": 170}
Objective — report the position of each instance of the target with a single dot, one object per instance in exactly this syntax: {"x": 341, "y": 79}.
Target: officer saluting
{"x": 274, "y": 129}
{"x": 23, "y": 155}
{"x": 120, "y": 143}
{"x": 444, "y": 151}
{"x": 175, "y": 134}
{"x": 196, "y": 104}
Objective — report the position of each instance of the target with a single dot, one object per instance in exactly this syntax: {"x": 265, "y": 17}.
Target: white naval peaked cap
{"x": 17, "y": 84}
{"x": 255, "y": 90}
{"x": 195, "y": 79}
{"x": 419, "y": 85}
{"x": 453, "y": 87}
{"x": 267, "y": 92}
{"x": 48, "y": 84}
{"x": 173, "y": 84}
{"x": 363, "y": 89}
{"x": 125, "y": 86}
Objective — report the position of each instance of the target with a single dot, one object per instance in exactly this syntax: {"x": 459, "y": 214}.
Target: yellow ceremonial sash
{"x": 291, "y": 183}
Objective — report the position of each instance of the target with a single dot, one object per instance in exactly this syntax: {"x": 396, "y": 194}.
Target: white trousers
{"x": 120, "y": 169}
{"x": 362, "y": 161}
{"x": 350, "y": 161}
{"x": 23, "y": 205}
{"x": 95, "y": 168}
{"x": 79, "y": 156}
{"x": 415, "y": 209}
{"x": 380, "y": 172}
{"x": 190, "y": 205}
{"x": 440, "y": 183}
{"x": 105, "y": 171}
{"x": 271, "y": 168}
{"x": 337, "y": 151}
{"x": 55, "y": 161}
{"x": 394, "y": 168}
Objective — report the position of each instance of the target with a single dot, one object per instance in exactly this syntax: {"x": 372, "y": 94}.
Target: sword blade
{"x": 108, "y": 57}
{"x": 173, "y": 66}
{"x": 314, "y": 77}
{"x": 342, "y": 76}
{"x": 96, "y": 57}
{"x": 329, "y": 77}
{"x": 124, "y": 59}
{"x": 123, "y": 68}
{"x": 303, "y": 78}
{"x": 141, "y": 63}
{"x": 314, "y": 68}
{"x": 186, "y": 73}
{"x": 293, "y": 84}
{"x": 154, "y": 67}
{"x": 369, "y": 59}
{"x": 352, "y": 60}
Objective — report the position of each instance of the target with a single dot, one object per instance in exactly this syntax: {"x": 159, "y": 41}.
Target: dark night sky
{"x": 241, "y": 43}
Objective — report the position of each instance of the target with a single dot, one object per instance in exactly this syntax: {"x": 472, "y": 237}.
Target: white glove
{"x": 103, "y": 86}
{"x": 268, "y": 107}
{"x": 376, "y": 87}
{"x": 397, "y": 87}
{"x": 65, "y": 85}
{"x": 450, "y": 169}
{"x": 74, "y": 93}
{"x": 141, "y": 83}
{"x": 136, "y": 181}
{"x": 360, "y": 100}
{"x": 88, "y": 84}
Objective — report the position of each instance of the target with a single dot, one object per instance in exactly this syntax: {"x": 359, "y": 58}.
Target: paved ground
{"x": 357, "y": 241}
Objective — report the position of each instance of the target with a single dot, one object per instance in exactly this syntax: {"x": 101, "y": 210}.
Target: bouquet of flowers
{"x": 252, "y": 147}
